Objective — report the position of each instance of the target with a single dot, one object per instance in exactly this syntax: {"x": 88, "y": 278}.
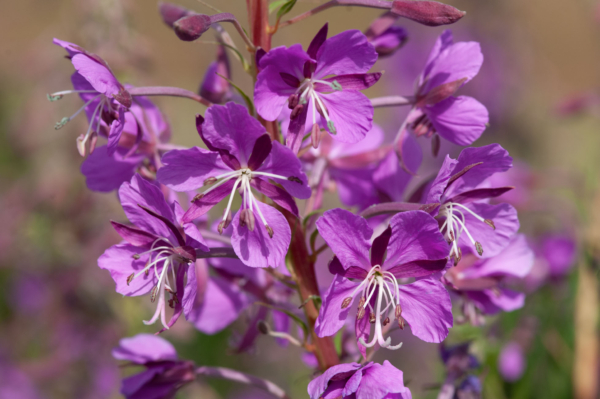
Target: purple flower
{"x": 300, "y": 79}
{"x": 143, "y": 140}
{"x": 461, "y": 190}
{"x": 413, "y": 247}
{"x": 240, "y": 155}
{"x": 350, "y": 166}
{"x": 157, "y": 249}
{"x": 459, "y": 363}
{"x": 214, "y": 88}
{"x": 560, "y": 253}
{"x": 390, "y": 40}
{"x": 353, "y": 380}
{"x": 460, "y": 120}
{"x": 482, "y": 281}
{"x": 164, "y": 375}
{"x": 105, "y": 98}
{"x": 511, "y": 362}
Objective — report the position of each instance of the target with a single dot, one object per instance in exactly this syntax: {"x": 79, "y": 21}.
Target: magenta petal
{"x": 460, "y": 120}
{"x": 379, "y": 381}
{"x": 438, "y": 186}
{"x": 186, "y": 170}
{"x": 144, "y": 348}
{"x": 193, "y": 237}
{"x": 418, "y": 268}
{"x": 271, "y": 92}
{"x": 331, "y": 316}
{"x": 256, "y": 248}
{"x": 229, "y": 127}
{"x": 352, "y": 114}
{"x": 133, "y": 235}
{"x": 345, "y": 53}
{"x": 479, "y": 194}
{"x": 99, "y": 76}
{"x": 105, "y": 173}
{"x": 118, "y": 260}
{"x": 281, "y": 161}
{"x": 494, "y": 301}
{"x": 200, "y": 206}
{"x": 260, "y": 151}
{"x": 352, "y": 248}
{"x": 495, "y": 240}
{"x": 318, "y": 386}
{"x": 355, "y": 186}
{"x": 116, "y": 129}
{"x": 427, "y": 308}
{"x": 195, "y": 287}
{"x": 222, "y": 304}
{"x": 390, "y": 178}
{"x": 515, "y": 260}
{"x": 355, "y": 81}
{"x": 415, "y": 236}
{"x": 278, "y": 195}
{"x": 142, "y": 192}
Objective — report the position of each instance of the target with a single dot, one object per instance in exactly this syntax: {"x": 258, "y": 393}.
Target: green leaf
{"x": 313, "y": 238}
{"x": 287, "y": 7}
{"x": 311, "y": 214}
{"x": 247, "y": 99}
{"x": 294, "y": 317}
{"x": 274, "y": 5}
{"x": 337, "y": 341}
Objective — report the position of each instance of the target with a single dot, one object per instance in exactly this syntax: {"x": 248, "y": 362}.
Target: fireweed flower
{"x": 144, "y": 138}
{"x": 157, "y": 249}
{"x": 482, "y": 282}
{"x": 164, "y": 375}
{"x": 460, "y": 120}
{"x": 349, "y": 166}
{"x": 105, "y": 98}
{"x": 240, "y": 156}
{"x": 461, "y": 189}
{"x": 353, "y": 380}
{"x": 413, "y": 248}
{"x": 300, "y": 79}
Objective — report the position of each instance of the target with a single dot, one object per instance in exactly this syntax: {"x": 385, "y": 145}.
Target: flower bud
{"x": 214, "y": 88}
{"x": 170, "y": 13}
{"x": 430, "y": 13}
{"x": 389, "y": 41}
{"x": 191, "y": 27}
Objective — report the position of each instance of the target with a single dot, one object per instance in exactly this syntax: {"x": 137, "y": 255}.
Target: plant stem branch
{"x": 238, "y": 376}
{"x": 168, "y": 91}
{"x": 385, "y": 5}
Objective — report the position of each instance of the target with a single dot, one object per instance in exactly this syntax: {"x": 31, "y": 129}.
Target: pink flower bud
{"x": 430, "y": 13}
{"x": 192, "y": 27}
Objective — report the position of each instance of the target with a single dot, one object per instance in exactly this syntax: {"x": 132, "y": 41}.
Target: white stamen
{"x": 238, "y": 181}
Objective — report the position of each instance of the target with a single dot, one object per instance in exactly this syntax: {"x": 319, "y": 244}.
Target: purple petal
{"x": 494, "y": 301}
{"x": 352, "y": 114}
{"x": 454, "y": 61}
{"x": 271, "y": 92}
{"x": 105, "y": 173}
{"x": 222, "y": 304}
{"x": 415, "y": 237}
{"x": 195, "y": 287}
{"x": 515, "y": 260}
{"x": 141, "y": 192}
{"x": 337, "y": 151}
{"x": 356, "y": 81}
{"x": 317, "y": 41}
{"x": 260, "y": 151}
{"x": 492, "y": 240}
{"x": 318, "y": 386}
{"x": 133, "y": 235}
{"x": 281, "y": 161}
{"x": 116, "y": 129}
{"x": 418, "y": 268}
{"x": 193, "y": 237}
{"x": 493, "y": 158}
{"x": 380, "y": 380}
{"x": 296, "y": 129}
{"x": 229, "y": 127}
{"x": 438, "y": 186}
{"x": 99, "y": 76}
{"x": 118, "y": 260}
{"x": 479, "y": 194}
{"x": 390, "y": 178}
{"x": 427, "y": 308}
{"x": 355, "y": 186}
{"x": 331, "y": 316}
{"x": 511, "y": 362}
{"x": 460, "y": 120}
{"x": 144, "y": 348}
{"x": 390, "y": 40}
{"x": 362, "y": 329}
{"x": 345, "y": 53}
{"x": 380, "y": 245}
{"x": 278, "y": 195}
{"x": 444, "y": 41}
{"x": 256, "y": 248}
{"x": 352, "y": 248}
{"x": 200, "y": 206}
{"x": 186, "y": 170}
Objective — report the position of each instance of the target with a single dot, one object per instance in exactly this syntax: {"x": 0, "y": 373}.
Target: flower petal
{"x": 256, "y": 248}
{"x": 494, "y": 301}
{"x": 144, "y": 348}
{"x": 460, "y": 120}
{"x": 204, "y": 204}
{"x": 99, "y": 76}
{"x": 352, "y": 114}
{"x": 105, "y": 173}
{"x": 355, "y": 186}
{"x": 380, "y": 380}
{"x": 282, "y": 161}
{"x": 118, "y": 260}
{"x": 331, "y": 316}
{"x": 186, "y": 170}
{"x": 390, "y": 178}
{"x": 278, "y": 195}
{"x": 515, "y": 260}
{"x": 438, "y": 186}
{"x": 427, "y": 308}
{"x": 345, "y": 53}
{"x": 352, "y": 248}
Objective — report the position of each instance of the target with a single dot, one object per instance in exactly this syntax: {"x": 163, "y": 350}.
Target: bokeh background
{"x": 59, "y": 314}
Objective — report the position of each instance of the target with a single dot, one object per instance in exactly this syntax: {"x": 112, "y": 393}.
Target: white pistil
{"x": 455, "y": 224}
{"x": 388, "y": 295}
{"x": 307, "y": 92}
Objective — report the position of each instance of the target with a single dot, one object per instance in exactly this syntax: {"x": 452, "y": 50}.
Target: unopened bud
{"x": 435, "y": 145}
{"x": 430, "y": 13}
{"x": 390, "y": 40}
{"x": 263, "y": 327}
{"x": 191, "y": 27}
{"x": 209, "y": 181}
{"x": 315, "y": 135}
{"x": 130, "y": 278}
{"x": 214, "y": 87}
{"x": 479, "y": 248}
{"x": 372, "y": 318}
{"x": 490, "y": 223}
{"x": 62, "y": 123}
{"x": 269, "y": 230}
{"x": 153, "y": 293}
{"x": 398, "y": 311}
{"x": 197, "y": 197}
{"x": 346, "y": 302}
{"x": 247, "y": 219}
{"x": 170, "y": 13}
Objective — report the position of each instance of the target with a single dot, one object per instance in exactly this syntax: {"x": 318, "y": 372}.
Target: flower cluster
{"x": 400, "y": 258}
